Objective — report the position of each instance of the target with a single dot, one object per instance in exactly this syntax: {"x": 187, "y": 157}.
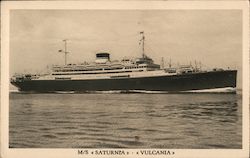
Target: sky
{"x": 212, "y": 37}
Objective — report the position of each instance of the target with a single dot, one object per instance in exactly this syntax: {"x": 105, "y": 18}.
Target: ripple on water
{"x": 125, "y": 121}
{"x": 50, "y": 136}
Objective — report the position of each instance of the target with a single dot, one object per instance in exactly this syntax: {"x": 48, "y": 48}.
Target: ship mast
{"x": 142, "y": 42}
{"x": 65, "y": 51}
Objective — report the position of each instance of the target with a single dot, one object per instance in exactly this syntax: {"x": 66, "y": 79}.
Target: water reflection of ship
{"x": 128, "y": 74}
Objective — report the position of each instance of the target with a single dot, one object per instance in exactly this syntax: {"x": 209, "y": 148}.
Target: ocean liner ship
{"x": 140, "y": 74}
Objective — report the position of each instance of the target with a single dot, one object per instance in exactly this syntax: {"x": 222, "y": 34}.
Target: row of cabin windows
{"x": 93, "y": 73}
{"x": 100, "y": 69}
{"x": 136, "y": 67}
{"x": 87, "y": 70}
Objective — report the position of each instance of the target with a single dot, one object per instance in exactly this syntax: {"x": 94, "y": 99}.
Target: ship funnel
{"x": 102, "y": 57}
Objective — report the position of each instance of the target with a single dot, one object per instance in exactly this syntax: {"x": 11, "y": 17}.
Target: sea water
{"x": 136, "y": 120}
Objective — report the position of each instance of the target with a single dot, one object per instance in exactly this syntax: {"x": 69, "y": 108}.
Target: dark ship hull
{"x": 174, "y": 83}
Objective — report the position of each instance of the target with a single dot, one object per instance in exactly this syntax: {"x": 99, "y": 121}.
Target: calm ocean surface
{"x": 186, "y": 121}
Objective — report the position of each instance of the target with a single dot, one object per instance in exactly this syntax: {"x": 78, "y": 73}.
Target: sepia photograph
{"x": 106, "y": 81}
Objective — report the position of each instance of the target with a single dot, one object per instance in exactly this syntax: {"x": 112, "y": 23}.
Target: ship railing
{"x": 17, "y": 78}
{"x": 218, "y": 69}
{"x": 170, "y": 70}
{"x": 23, "y": 77}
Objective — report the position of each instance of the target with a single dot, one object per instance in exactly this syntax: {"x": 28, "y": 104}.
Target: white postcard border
{"x": 6, "y": 6}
